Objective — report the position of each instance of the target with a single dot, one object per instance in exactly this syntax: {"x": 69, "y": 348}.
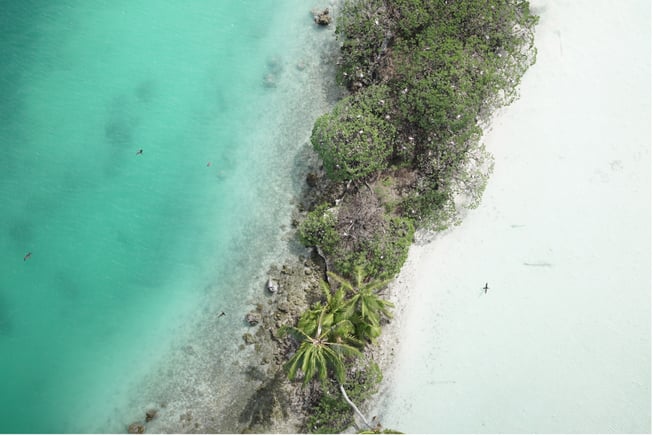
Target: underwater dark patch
{"x": 6, "y": 325}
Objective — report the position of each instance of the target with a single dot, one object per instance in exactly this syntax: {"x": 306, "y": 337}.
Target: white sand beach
{"x": 561, "y": 342}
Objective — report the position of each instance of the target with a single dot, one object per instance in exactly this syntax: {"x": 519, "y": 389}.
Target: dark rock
{"x": 253, "y": 318}
{"x": 275, "y": 65}
{"x": 311, "y": 180}
{"x": 248, "y": 338}
{"x": 295, "y": 218}
{"x": 270, "y": 80}
{"x": 255, "y": 373}
{"x": 150, "y": 415}
{"x": 322, "y": 18}
{"x": 136, "y": 428}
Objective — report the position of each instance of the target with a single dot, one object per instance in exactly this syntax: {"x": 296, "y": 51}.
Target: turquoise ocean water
{"x": 132, "y": 254}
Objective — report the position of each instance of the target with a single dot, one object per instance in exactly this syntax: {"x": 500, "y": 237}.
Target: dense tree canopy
{"x": 355, "y": 139}
{"x": 439, "y": 67}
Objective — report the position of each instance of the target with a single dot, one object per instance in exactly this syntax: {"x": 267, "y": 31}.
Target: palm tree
{"x": 317, "y": 354}
{"x": 327, "y": 315}
{"x": 365, "y": 305}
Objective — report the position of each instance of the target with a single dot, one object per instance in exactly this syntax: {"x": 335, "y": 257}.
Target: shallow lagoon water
{"x": 130, "y": 251}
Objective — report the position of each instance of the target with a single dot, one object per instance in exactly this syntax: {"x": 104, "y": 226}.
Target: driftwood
{"x": 353, "y": 406}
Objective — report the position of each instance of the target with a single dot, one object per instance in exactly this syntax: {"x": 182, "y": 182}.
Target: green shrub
{"x": 332, "y": 414}
{"x": 319, "y": 229}
{"x": 365, "y": 30}
{"x": 381, "y": 256}
{"x": 355, "y": 140}
{"x": 432, "y": 207}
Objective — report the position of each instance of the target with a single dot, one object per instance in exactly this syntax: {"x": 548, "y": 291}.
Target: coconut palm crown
{"x": 318, "y": 352}
{"x": 365, "y": 308}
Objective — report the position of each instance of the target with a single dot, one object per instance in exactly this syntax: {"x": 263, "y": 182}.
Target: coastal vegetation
{"x": 319, "y": 229}
{"x": 330, "y": 333}
{"x": 400, "y": 152}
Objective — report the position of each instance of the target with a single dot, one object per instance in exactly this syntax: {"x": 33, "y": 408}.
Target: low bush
{"x": 355, "y": 139}
{"x": 331, "y": 414}
{"x": 319, "y": 229}
{"x": 381, "y": 256}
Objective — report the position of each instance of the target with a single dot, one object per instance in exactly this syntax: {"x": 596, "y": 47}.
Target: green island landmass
{"x": 401, "y": 151}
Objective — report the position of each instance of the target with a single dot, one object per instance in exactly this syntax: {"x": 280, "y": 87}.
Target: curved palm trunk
{"x": 353, "y": 406}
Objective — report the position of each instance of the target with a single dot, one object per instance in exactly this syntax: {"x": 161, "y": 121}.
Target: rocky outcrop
{"x": 311, "y": 180}
{"x": 150, "y": 415}
{"x": 322, "y": 17}
{"x": 252, "y": 318}
{"x": 272, "y": 285}
{"x": 136, "y": 428}
{"x": 279, "y": 405}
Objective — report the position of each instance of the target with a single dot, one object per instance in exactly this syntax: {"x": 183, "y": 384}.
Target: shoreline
{"x": 381, "y": 353}
{"x": 191, "y": 400}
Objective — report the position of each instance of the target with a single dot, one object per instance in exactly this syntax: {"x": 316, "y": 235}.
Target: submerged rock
{"x": 253, "y": 318}
{"x": 270, "y": 80}
{"x": 322, "y": 18}
{"x": 150, "y": 415}
{"x": 274, "y": 65}
{"x": 136, "y": 428}
{"x": 188, "y": 416}
{"x": 311, "y": 180}
{"x": 283, "y": 307}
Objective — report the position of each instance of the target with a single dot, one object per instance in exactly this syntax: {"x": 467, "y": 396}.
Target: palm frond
{"x": 343, "y": 281}
{"x": 375, "y": 286}
{"x": 296, "y": 332}
{"x": 345, "y": 349}
{"x": 326, "y": 290}
{"x": 335, "y": 361}
{"x": 291, "y": 366}
{"x": 360, "y": 277}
